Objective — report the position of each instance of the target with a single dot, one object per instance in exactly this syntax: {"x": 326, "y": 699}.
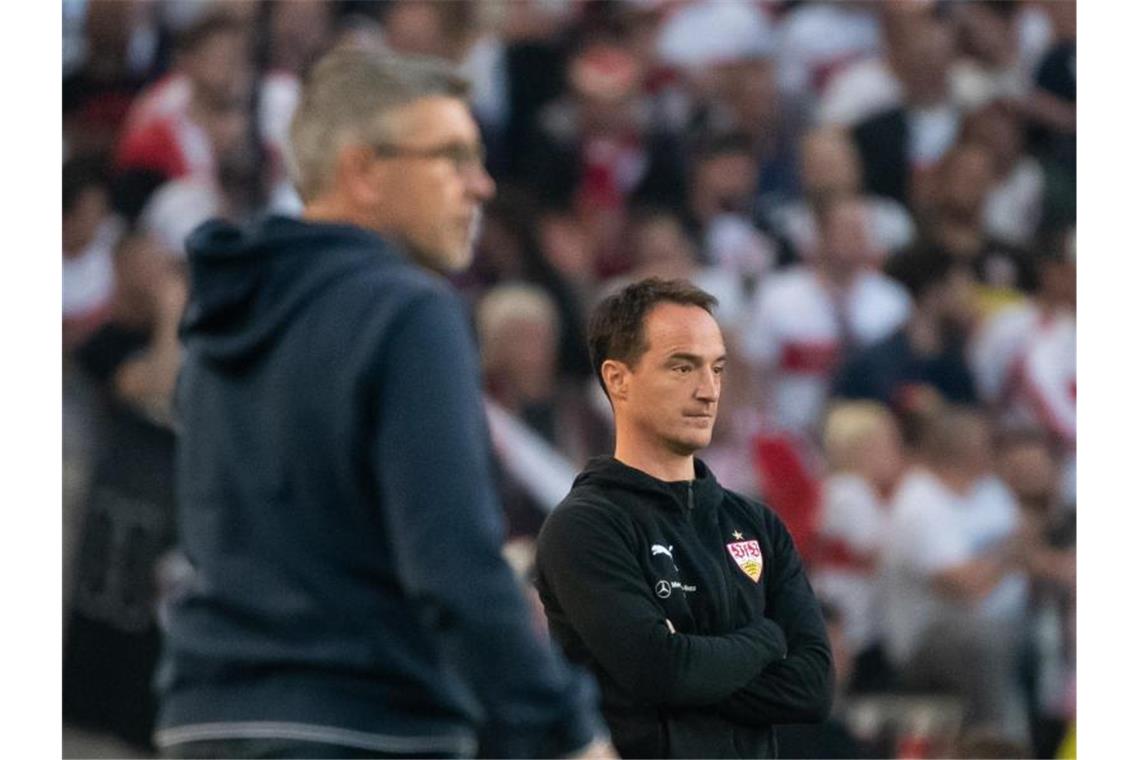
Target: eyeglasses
{"x": 463, "y": 156}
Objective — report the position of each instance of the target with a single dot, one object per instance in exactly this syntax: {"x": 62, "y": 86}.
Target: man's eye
{"x": 719, "y": 370}
{"x": 682, "y": 369}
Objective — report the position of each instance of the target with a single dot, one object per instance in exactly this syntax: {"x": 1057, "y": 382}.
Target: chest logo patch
{"x": 663, "y": 589}
{"x": 747, "y": 556}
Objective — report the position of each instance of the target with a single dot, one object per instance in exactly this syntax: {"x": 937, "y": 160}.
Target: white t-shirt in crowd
{"x": 889, "y": 226}
{"x": 818, "y": 40}
{"x": 1013, "y": 208}
{"x": 860, "y": 91}
{"x": 89, "y": 278}
{"x": 852, "y": 524}
{"x": 1025, "y": 363}
{"x": 795, "y": 333}
{"x": 932, "y": 529}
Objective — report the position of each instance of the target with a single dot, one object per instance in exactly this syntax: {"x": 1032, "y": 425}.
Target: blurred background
{"x": 882, "y": 196}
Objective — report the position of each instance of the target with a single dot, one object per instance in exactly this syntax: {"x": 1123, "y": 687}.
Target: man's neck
{"x": 330, "y": 212}
{"x": 959, "y": 483}
{"x": 837, "y": 276}
{"x": 924, "y": 336}
{"x": 661, "y": 464}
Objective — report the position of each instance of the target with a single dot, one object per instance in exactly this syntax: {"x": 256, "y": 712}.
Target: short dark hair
{"x": 81, "y": 173}
{"x": 617, "y": 327}
{"x": 919, "y": 270}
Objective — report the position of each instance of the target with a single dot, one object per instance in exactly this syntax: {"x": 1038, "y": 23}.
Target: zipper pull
{"x": 690, "y": 484}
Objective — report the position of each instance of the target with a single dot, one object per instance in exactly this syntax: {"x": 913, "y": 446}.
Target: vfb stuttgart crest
{"x": 748, "y": 558}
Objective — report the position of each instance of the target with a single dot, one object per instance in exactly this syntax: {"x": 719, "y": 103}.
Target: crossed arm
{"x": 770, "y": 670}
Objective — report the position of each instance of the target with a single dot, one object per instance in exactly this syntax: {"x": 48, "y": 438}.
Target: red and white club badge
{"x": 747, "y": 556}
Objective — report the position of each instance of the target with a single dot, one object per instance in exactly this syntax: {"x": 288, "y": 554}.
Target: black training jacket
{"x": 336, "y": 501}
{"x": 626, "y": 555}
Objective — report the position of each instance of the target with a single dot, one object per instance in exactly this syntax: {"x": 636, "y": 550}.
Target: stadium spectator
{"x": 952, "y": 217}
{"x": 1053, "y": 104}
{"x": 865, "y": 459}
{"x": 953, "y": 580}
{"x": 298, "y": 32}
{"x": 1024, "y": 357}
{"x": 693, "y": 41}
{"x": 719, "y": 209}
{"x": 91, "y": 234}
{"x": 806, "y": 318}
{"x": 1030, "y": 466}
{"x": 928, "y": 352}
{"x": 1014, "y": 207}
{"x": 903, "y": 142}
{"x": 829, "y": 168}
{"x": 726, "y": 54}
{"x": 989, "y": 66}
{"x": 817, "y": 41}
{"x": 242, "y": 185}
{"x": 132, "y": 360}
{"x": 541, "y": 428}
{"x": 511, "y": 248}
{"x": 659, "y": 247}
{"x": 519, "y": 327}
{"x": 174, "y": 124}
{"x": 110, "y": 60}
{"x": 596, "y": 151}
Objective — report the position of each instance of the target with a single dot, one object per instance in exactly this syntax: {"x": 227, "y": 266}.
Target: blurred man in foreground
{"x": 688, "y": 601}
{"x": 348, "y": 597}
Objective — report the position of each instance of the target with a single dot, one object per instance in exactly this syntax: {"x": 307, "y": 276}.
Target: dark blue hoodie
{"x": 336, "y": 503}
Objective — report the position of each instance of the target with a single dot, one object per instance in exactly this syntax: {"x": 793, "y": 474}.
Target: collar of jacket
{"x": 701, "y": 493}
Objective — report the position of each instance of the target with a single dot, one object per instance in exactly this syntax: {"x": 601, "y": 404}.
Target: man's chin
{"x": 687, "y": 445}
{"x": 446, "y": 262}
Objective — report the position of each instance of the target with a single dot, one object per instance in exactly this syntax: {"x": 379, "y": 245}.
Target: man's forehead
{"x": 682, "y": 328}
{"x": 435, "y": 118}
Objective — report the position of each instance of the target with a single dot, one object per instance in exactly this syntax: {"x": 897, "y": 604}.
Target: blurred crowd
{"x": 881, "y": 195}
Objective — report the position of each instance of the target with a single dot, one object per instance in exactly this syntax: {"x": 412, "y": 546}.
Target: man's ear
{"x": 355, "y": 165}
{"x": 615, "y": 374}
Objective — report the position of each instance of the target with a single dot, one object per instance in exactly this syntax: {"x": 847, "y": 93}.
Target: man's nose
{"x": 708, "y": 386}
{"x": 480, "y": 183}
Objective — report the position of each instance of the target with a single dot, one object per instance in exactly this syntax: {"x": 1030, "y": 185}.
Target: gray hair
{"x": 346, "y": 98}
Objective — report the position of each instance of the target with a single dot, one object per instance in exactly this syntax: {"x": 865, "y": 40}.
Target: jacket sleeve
{"x": 589, "y": 574}
{"x": 431, "y": 460}
{"x": 797, "y": 689}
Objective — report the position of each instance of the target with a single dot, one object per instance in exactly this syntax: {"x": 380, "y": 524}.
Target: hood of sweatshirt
{"x": 247, "y": 283}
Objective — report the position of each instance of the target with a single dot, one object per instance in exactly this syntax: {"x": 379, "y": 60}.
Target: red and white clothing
{"x": 1025, "y": 363}
{"x": 816, "y": 41}
{"x": 159, "y": 134}
{"x": 851, "y": 525}
{"x": 798, "y": 329}
{"x": 166, "y": 98}
{"x": 174, "y": 146}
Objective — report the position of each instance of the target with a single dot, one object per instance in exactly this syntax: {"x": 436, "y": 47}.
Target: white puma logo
{"x": 659, "y": 549}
